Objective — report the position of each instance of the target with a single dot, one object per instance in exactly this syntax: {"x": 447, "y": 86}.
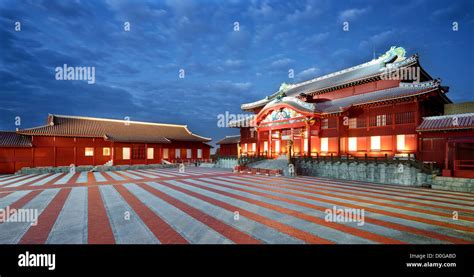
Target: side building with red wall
{"x": 229, "y": 146}
{"x": 67, "y": 140}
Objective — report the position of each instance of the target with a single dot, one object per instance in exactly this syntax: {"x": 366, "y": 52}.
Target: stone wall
{"x": 453, "y": 184}
{"x": 65, "y": 169}
{"x": 227, "y": 163}
{"x": 399, "y": 174}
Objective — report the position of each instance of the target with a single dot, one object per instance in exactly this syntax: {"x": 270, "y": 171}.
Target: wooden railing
{"x": 463, "y": 164}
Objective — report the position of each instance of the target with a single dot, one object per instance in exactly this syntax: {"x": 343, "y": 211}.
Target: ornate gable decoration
{"x": 282, "y": 114}
{"x": 394, "y": 51}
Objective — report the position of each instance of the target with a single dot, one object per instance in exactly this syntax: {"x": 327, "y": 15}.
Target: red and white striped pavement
{"x": 152, "y": 206}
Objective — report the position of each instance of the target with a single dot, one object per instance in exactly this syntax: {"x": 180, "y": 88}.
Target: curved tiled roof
{"x": 229, "y": 140}
{"x": 12, "y": 139}
{"x": 346, "y": 76}
{"x": 447, "y": 122}
{"x": 114, "y": 130}
{"x": 341, "y": 104}
{"x": 293, "y": 102}
{"x": 402, "y": 91}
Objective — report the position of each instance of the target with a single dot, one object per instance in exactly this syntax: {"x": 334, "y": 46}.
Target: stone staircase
{"x": 280, "y": 162}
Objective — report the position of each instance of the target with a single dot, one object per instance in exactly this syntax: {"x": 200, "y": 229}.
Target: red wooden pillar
{"x": 338, "y": 125}
{"x": 446, "y": 158}
{"x": 393, "y": 119}
{"x": 75, "y": 152}
{"x": 308, "y": 137}
{"x": 454, "y": 154}
{"x": 146, "y": 153}
{"x": 368, "y": 144}
{"x": 93, "y": 151}
{"x": 75, "y": 155}
{"x": 131, "y": 154}
{"x": 417, "y": 112}
{"x": 394, "y": 144}
{"x": 446, "y": 170}
{"x": 258, "y": 143}
{"x": 33, "y": 156}
{"x": 112, "y": 152}
{"x": 269, "y": 143}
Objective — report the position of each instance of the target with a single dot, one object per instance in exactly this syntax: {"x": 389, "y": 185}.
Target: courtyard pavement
{"x": 210, "y": 206}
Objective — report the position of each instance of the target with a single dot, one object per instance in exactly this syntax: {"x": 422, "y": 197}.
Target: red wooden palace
{"x": 386, "y": 106}
{"x": 67, "y": 140}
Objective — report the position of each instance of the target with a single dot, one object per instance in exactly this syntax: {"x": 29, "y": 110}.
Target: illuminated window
{"x": 375, "y": 143}
{"x": 352, "y": 123}
{"x": 89, "y": 151}
{"x": 199, "y": 153}
{"x": 126, "y": 153}
{"x": 277, "y": 146}
{"x": 400, "y": 142}
{"x": 166, "y": 153}
{"x": 324, "y": 144}
{"x": 150, "y": 153}
{"x": 245, "y": 147}
{"x": 177, "y": 152}
{"x": 265, "y": 146}
{"x": 305, "y": 145}
{"x": 189, "y": 153}
{"x": 254, "y": 147}
{"x": 106, "y": 151}
{"x": 352, "y": 144}
{"x": 381, "y": 120}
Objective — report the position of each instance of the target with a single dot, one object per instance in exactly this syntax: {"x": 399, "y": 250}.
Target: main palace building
{"x": 387, "y": 107}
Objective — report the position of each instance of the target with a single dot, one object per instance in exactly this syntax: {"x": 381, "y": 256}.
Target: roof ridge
{"x": 191, "y": 133}
{"x": 448, "y": 115}
{"x": 116, "y": 120}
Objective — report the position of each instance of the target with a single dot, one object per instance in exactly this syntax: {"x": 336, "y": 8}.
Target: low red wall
{"x": 63, "y": 151}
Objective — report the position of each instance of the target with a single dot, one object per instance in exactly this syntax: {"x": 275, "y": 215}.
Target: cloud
{"x": 261, "y": 9}
{"x": 352, "y": 14}
{"x": 310, "y": 11}
{"x": 307, "y": 74}
{"x": 316, "y": 39}
{"x": 378, "y": 40}
{"x": 282, "y": 63}
{"x": 230, "y": 87}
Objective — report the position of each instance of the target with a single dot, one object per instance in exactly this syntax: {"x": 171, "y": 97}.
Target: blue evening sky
{"x": 137, "y": 72}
